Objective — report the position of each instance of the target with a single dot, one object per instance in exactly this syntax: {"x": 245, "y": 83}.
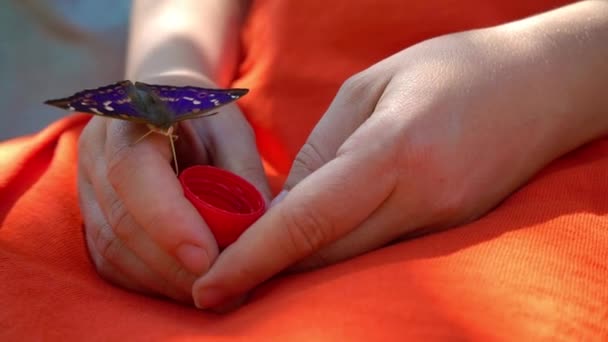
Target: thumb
{"x": 307, "y": 220}
{"x": 353, "y": 104}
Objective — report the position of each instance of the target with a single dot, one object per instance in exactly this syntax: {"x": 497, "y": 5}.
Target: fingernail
{"x": 193, "y": 258}
{"x": 208, "y": 298}
{"x": 279, "y": 198}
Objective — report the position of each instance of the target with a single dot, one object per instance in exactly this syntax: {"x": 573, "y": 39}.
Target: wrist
{"x": 562, "y": 56}
{"x": 199, "y": 36}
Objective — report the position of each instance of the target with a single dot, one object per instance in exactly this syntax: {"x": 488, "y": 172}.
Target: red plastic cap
{"x": 228, "y": 203}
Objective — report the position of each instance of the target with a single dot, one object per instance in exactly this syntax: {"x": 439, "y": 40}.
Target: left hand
{"x": 430, "y": 138}
{"x": 141, "y": 232}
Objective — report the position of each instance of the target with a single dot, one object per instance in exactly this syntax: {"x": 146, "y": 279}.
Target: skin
{"x": 141, "y": 233}
{"x": 447, "y": 129}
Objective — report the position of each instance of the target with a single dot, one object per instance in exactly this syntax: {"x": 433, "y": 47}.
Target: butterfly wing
{"x": 190, "y": 102}
{"x": 111, "y": 101}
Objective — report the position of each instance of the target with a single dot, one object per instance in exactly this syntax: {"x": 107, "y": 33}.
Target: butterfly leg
{"x": 172, "y": 137}
{"x": 143, "y": 136}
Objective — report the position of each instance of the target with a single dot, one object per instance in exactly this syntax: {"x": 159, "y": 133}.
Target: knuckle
{"x": 91, "y": 237}
{"x": 93, "y": 231}
{"x": 161, "y": 220}
{"x": 309, "y": 159}
{"x": 356, "y": 85}
{"x": 178, "y": 277}
{"x": 116, "y": 167}
{"x": 104, "y": 268}
{"x": 108, "y": 246}
{"x": 119, "y": 219}
{"x": 352, "y": 144}
{"x": 452, "y": 208}
{"x": 306, "y": 230}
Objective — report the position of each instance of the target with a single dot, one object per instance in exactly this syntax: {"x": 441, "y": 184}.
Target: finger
{"x": 367, "y": 236}
{"x": 402, "y": 212}
{"x": 105, "y": 269}
{"x": 134, "y": 237}
{"x": 124, "y": 227}
{"x": 232, "y": 146}
{"x": 352, "y": 106}
{"x": 108, "y": 272}
{"x": 355, "y": 100}
{"x": 320, "y": 209}
{"x": 142, "y": 177}
{"x": 113, "y": 260}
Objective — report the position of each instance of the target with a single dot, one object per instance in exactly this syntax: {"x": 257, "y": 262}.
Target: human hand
{"x": 430, "y": 138}
{"x": 141, "y": 232}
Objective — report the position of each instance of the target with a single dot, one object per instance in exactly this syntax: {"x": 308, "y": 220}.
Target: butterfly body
{"x": 160, "y": 107}
{"x": 158, "y": 114}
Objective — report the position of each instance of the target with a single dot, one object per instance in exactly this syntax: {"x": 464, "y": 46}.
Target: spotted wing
{"x": 190, "y": 102}
{"x": 110, "y": 101}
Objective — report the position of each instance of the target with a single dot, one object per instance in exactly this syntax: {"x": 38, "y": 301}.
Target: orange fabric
{"x": 534, "y": 268}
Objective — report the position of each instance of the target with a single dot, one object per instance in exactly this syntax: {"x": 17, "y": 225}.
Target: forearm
{"x": 194, "y": 40}
{"x": 565, "y": 54}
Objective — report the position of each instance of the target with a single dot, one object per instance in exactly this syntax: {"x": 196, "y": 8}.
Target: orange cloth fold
{"x": 534, "y": 268}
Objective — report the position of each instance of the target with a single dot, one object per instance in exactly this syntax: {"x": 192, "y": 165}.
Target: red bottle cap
{"x": 228, "y": 203}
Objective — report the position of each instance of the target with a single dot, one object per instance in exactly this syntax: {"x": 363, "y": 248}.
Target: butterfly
{"x": 160, "y": 107}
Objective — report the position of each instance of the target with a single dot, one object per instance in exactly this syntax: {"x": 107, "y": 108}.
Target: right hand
{"x": 141, "y": 232}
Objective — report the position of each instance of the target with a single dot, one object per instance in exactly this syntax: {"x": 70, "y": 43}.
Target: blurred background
{"x": 54, "y": 48}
